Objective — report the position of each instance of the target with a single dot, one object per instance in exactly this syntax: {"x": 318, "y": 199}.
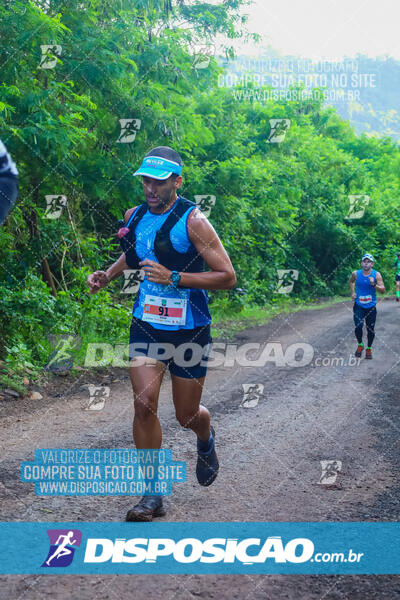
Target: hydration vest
{"x": 190, "y": 261}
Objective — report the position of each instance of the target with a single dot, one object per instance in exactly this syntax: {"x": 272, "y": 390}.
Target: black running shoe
{"x": 207, "y": 464}
{"x": 147, "y": 508}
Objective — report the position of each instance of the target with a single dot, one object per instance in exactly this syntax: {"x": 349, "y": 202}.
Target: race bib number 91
{"x": 168, "y": 311}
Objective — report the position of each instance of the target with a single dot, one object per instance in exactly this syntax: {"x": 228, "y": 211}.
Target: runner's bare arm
{"x": 207, "y": 243}
{"x": 128, "y": 213}
{"x": 99, "y": 279}
{"x": 352, "y": 282}
{"x": 380, "y": 286}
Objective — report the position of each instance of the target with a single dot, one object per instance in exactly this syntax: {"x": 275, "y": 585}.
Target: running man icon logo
{"x": 202, "y": 55}
{"x": 251, "y": 394}
{"x": 129, "y": 128}
{"x": 279, "y": 127}
{"x": 358, "y": 202}
{"x": 63, "y": 543}
{"x": 287, "y": 277}
{"x": 205, "y": 203}
{"x": 54, "y": 206}
{"x": 62, "y": 358}
{"x": 132, "y": 279}
{"x": 330, "y": 470}
{"x": 48, "y": 59}
{"x": 98, "y": 395}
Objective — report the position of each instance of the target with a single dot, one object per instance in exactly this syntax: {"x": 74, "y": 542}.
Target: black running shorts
{"x": 184, "y": 351}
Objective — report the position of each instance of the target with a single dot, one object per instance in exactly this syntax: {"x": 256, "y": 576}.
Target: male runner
{"x": 170, "y": 239}
{"x": 367, "y": 281}
{"x": 397, "y": 267}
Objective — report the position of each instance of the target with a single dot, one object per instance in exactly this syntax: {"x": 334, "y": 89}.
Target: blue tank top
{"x": 366, "y": 293}
{"x": 145, "y": 236}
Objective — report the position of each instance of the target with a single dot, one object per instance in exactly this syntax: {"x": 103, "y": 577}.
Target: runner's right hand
{"x": 97, "y": 281}
{"x": 354, "y": 296}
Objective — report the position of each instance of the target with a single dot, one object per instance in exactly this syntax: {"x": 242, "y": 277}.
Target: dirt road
{"x": 269, "y": 451}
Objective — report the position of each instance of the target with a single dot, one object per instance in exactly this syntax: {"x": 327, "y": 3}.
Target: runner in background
{"x": 171, "y": 240}
{"x": 8, "y": 183}
{"x": 366, "y": 281}
{"x": 397, "y": 267}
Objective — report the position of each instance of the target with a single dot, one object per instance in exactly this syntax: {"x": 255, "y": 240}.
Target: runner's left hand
{"x": 155, "y": 272}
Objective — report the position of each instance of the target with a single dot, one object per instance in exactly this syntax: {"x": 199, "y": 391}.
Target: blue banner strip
{"x": 199, "y": 548}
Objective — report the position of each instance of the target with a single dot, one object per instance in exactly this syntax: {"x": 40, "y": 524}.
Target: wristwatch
{"x": 175, "y": 278}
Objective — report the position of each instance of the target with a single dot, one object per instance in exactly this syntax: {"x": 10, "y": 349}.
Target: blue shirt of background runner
{"x": 365, "y": 289}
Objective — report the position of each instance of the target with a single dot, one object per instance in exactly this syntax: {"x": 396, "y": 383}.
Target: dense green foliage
{"x": 279, "y": 205}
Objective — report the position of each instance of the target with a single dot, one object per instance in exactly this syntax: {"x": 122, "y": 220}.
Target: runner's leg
{"x": 358, "y": 313}
{"x": 370, "y": 320}
{"x": 146, "y": 382}
{"x": 189, "y": 412}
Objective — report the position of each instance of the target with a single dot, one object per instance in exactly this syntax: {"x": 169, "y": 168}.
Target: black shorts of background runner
{"x": 397, "y": 277}
{"x": 189, "y": 349}
{"x": 8, "y": 194}
{"x": 369, "y": 314}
